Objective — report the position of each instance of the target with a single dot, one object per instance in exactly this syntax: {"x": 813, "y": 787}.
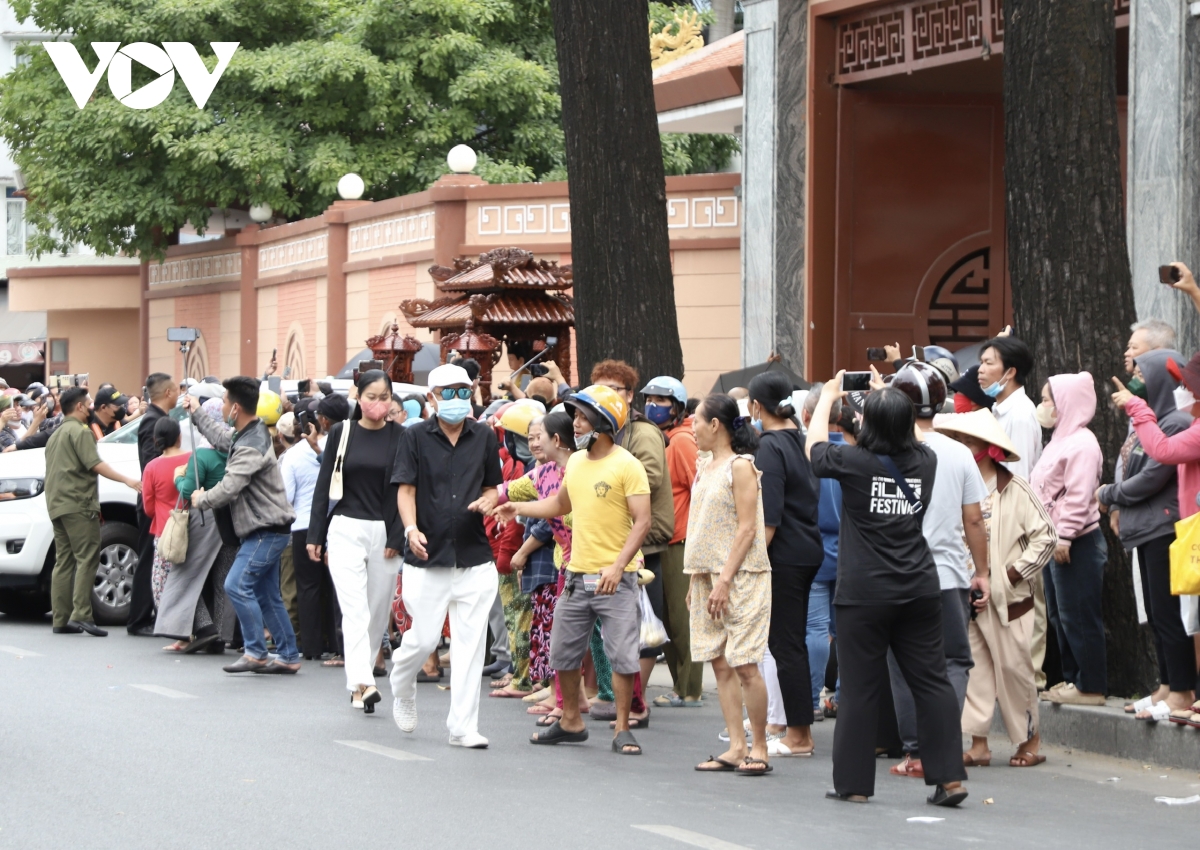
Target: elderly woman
{"x": 1021, "y": 540}
{"x": 888, "y": 595}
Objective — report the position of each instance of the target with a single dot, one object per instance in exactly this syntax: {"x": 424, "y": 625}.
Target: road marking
{"x": 16, "y": 650}
{"x": 696, "y": 839}
{"x": 164, "y": 692}
{"x": 380, "y": 750}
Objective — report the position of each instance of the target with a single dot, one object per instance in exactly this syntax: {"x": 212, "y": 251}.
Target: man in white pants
{"x": 448, "y": 469}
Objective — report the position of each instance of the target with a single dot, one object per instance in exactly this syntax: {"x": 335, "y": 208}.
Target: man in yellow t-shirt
{"x": 606, "y": 491}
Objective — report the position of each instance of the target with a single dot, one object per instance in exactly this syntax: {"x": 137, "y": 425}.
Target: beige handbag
{"x": 335, "y": 483}
{"x": 173, "y": 542}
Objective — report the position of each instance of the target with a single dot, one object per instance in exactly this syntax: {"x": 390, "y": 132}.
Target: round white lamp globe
{"x": 351, "y": 187}
{"x": 260, "y": 213}
{"x": 461, "y": 159}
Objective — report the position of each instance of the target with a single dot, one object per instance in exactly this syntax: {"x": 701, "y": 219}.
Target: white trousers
{"x": 365, "y": 582}
{"x": 770, "y": 674}
{"x": 466, "y": 595}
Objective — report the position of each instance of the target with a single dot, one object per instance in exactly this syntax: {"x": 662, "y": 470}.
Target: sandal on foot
{"x": 753, "y": 767}
{"x": 379, "y": 672}
{"x": 425, "y": 679}
{"x": 623, "y": 740}
{"x": 1185, "y": 717}
{"x": 970, "y": 760}
{"x": 909, "y": 767}
{"x": 201, "y": 643}
{"x": 1024, "y": 758}
{"x": 1155, "y": 713}
{"x": 671, "y": 700}
{"x": 336, "y": 661}
{"x": 782, "y": 750}
{"x": 549, "y": 720}
{"x": 507, "y": 693}
{"x": 949, "y": 799}
{"x": 555, "y": 734}
{"x": 177, "y": 646}
{"x": 635, "y": 722}
{"x": 540, "y": 709}
{"x": 845, "y": 798}
{"x": 1141, "y": 705}
{"x": 721, "y": 766}
{"x": 370, "y": 697}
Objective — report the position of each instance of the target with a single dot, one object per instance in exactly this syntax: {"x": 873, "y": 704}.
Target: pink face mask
{"x": 376, "y": 411}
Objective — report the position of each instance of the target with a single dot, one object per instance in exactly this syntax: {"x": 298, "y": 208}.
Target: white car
{"x": 27, "y": 536}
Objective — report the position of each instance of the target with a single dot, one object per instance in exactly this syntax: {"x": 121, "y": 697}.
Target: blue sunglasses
{"x": 462, "y": 392}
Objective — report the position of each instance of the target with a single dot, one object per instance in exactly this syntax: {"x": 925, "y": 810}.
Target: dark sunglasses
{"x": 462, "y": 392}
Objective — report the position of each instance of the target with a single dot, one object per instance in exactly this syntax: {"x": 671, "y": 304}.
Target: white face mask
{"x": 1184, "y": 399}
{"x": 1046, "y": 415}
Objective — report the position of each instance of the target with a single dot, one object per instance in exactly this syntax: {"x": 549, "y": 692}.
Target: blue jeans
{"x": 1073, "y": 606}
{"x": 819, "y": 611}
{"x": 253, "y": 588}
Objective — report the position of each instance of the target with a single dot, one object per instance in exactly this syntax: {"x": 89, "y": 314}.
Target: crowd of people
{"x": 893, "y": 558}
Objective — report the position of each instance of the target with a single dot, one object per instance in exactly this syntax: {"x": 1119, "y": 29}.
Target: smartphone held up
{"x": 1169, "y": 274}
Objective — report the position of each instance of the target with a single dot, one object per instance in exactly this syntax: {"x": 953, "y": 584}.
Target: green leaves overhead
{"x": 317, "y": 88}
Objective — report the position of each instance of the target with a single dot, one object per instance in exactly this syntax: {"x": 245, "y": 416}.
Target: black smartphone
{"x": 976, "y": 595}
{"x": 876, "y": 354}
{"x": 852, "y": 381}
{"x": 1168, "y": 275}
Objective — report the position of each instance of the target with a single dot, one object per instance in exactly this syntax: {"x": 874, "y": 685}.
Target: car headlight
{"x": 20, "y": 488}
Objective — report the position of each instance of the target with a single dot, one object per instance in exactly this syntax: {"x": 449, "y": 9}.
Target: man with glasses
{"x": 448, "y": 469}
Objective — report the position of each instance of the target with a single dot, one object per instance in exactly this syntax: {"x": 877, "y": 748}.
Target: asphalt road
{"x": 111, "y": 743}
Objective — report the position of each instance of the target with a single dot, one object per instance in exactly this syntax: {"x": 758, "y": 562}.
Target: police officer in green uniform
{"x": 73, "y": 501}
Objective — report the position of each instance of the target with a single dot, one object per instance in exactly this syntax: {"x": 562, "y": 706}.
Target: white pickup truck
{"x": 27, "y": 537}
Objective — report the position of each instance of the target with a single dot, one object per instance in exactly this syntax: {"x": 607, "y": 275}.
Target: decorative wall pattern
{"x": 958, "y": 310}
{"x": 196, "y": 269}
{"x": 719, "y": 211}
{"x": 294, "y": 253}
{"x": 904, "y": 37}
{"x": 392, "y": 232}
{"x": 515, "y": 219}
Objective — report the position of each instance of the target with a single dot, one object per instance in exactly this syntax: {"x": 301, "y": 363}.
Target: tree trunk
{"x": 624, "y": 289}
{"x": 1068, "y": 263}
{"x": 722, "y": 25}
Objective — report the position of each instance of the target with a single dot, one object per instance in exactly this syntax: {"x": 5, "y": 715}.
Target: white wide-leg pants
{"x": 365, "y": 582}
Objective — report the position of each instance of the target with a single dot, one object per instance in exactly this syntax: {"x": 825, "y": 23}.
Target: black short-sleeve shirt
{"x": 883, "y": 558}
{"x": 448, "y": 477}
{"x": 791, "y": 497}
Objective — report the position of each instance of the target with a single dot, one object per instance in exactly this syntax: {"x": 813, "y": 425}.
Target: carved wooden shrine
{"x": 506, "y": 295}
{"x": 396, "y": 352}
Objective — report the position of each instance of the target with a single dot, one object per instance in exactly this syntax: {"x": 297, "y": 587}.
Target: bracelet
{"x": 409, "y": 529}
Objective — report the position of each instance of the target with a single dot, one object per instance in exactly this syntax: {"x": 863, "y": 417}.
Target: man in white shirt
{"x": 952, "y": 512}
{"x": 1004, "y": 365}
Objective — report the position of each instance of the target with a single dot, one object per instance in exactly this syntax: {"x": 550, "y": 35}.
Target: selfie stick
{"x": 184, "y": 348}
{"x": 551, "y": 341}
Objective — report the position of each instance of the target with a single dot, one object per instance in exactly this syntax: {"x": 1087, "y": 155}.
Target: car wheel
{"x": 113, "y": 589}
{"x": 26, "y": 604}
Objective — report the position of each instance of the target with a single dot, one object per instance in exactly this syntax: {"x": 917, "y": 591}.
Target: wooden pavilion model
{"x": 504, "y": 295}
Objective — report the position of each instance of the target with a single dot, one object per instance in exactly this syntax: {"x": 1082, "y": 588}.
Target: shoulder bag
{"x": 890, "y": 465}
{"x": 335, "y": 484}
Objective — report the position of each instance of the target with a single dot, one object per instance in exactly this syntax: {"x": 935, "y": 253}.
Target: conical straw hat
{"x": 981, "y": 425}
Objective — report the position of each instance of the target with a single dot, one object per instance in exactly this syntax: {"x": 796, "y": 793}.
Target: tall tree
{"x": 1072, "y": 292}
{"x": 624, "y": 292}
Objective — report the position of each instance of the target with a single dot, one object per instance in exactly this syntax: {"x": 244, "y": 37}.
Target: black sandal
{"x": 942, "y": 797}
{"x": 753, "y": 767}
{"x": 722, "y": 765}
{"x": 555, "y": 734}
{"x": 845, "y": 798}
{"x": 546, "y": 721}
{"x": 623, "y": 740}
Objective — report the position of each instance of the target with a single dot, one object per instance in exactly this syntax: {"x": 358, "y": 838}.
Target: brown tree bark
{"x": 624, "y": 290}
{"x": 1069, "y": 266}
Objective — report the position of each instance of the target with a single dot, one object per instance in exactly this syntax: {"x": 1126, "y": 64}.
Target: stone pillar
{"x": 791, "y": 187}
{"x": 758, "y": 181}
{"x": 143, "y": 319}
{"x": 247, "y": 242}
{"x": 1163, "y": 189}
{"x": 337, "y": 247}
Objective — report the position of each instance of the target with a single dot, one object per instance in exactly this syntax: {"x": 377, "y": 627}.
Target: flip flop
{"x": 555, "y": 734}
{"x": 540, "y": 709}
{"x": 635, "y": 722}
{"x": 623, "y": 740}
{"x": 548, "y": 720}
{"x": 1026, "y": 759}
{"x": 668, "y": 701}
{"x": 1185, "y": 717}
{"x": 722, "y": 766}
{"x": 1155, "y": 713}
{"x": 336, "y": 661}
{"x": 908, "y": 767}
{"x": 753, "y": 767}
{"x": 506, "y": 693}
{"x": 177, "y": 646}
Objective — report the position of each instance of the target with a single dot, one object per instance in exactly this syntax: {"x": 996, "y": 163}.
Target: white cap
{"x": 448, "y": 375}
{"x": 287, "y": 425}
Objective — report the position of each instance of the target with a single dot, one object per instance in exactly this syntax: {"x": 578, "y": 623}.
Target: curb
{"x": 1109, "y": 731}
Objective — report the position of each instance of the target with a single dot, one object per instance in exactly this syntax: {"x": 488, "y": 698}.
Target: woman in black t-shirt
{"x": 887, "y": 594}
{"x": 791, "y": 497}
{"x": 364, "y": 531}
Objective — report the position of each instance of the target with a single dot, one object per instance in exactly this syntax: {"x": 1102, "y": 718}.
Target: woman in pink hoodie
{"x": 1066, "y": 478}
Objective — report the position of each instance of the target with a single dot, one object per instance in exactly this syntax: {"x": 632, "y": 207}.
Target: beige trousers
{"x": 1039, "y": 630}
{"x": 1003, "y": 673}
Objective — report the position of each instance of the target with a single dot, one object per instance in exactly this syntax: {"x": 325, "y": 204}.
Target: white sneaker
{"x": 471, "y": 741}
{"x": 404, "y": 711}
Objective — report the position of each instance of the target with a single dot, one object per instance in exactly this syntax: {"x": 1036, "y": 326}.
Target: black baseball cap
{"x": 110, "y": 395}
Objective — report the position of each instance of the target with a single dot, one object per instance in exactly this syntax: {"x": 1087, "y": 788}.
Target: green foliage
{"x": 663, "y": 14}
{"x": 317, "y": 88}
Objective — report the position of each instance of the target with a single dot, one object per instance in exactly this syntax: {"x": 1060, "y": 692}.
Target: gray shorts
{"x": 575, "y": 616}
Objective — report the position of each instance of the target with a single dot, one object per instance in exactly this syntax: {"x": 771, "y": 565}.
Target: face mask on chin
{"x": 453, "y": 411}
{"x": 584, "y": 442}
{"x": 994, "y": 390}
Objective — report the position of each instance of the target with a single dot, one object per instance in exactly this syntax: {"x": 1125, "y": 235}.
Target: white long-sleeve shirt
{"x": 1016, "y": 416}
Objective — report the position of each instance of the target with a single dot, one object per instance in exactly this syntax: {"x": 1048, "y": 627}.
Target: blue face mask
{"x": 995, "y": 389}
{"x": 453, "y": 411}
{"x": 659, "y": 414}
{"x": 756, "y": 424}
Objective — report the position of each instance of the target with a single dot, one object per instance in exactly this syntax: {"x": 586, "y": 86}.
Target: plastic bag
{"x": 654, "y": 633}
{"x": 1185, "y": 557}
{"x": 1189, "y": 610}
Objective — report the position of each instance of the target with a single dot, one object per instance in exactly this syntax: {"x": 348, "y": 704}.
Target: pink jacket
{"x": 1068, "y": 472}
{"x": 1182, "y": 449}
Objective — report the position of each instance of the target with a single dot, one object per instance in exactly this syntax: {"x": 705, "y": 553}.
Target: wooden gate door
{"x": 920, "y": 246}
